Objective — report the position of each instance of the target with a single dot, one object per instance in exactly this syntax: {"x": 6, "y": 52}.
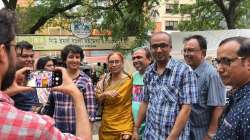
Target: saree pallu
{"x": 117, "y": 111}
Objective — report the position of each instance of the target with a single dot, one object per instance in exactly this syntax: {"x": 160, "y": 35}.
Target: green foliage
{"x": 244, "y": 15}
{"x": 204, "y": 15}
{"x": 40, "y": 12}
{"x": 28, "y": 16}
{"x": 123, "y": 18}
{"x": 207, "y": 15}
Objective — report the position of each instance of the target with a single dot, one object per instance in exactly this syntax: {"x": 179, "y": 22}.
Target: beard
{"x": 9, "y": 77}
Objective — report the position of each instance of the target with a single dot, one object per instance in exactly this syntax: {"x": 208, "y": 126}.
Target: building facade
{"x": 168, "y": 18}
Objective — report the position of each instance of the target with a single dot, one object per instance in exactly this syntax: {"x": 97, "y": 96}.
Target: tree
{"x": 230, "y": 10}
{"x": 37, "y": 14}
{"x": 11, "y": 4}
{"x": 212, "y": 14}
{"x": 122, "y": 17}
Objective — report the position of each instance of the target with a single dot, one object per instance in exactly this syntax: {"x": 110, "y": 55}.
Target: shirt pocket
{"x": 169, "y": 94}
{"x": 169, "y": 105}
{"x": 202, "y": 94}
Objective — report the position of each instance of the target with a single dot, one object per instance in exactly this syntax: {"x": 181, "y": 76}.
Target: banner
{"x": 56, "y": 43}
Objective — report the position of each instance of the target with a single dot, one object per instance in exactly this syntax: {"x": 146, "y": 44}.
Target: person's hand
{"x": 135, "y": 135}
{"x": 16, "y": 86}
{"x": 20, "y": 75}
{"x": 68, "y": 85}
{"x": 206, "y": 138}
{"x": 83, "y": 129}
{"x": 112, "y": 93}
{"x": 171, "y": 137}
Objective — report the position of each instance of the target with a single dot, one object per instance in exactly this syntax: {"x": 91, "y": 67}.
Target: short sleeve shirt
{"x": 165, "y": 94}
{"x": 211, "y": 92}
{"x": 137, "y": 95}
{"x": 16, "y": 124}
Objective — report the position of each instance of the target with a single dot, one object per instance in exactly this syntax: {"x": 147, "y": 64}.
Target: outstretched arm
{"x": 82, "y": 122}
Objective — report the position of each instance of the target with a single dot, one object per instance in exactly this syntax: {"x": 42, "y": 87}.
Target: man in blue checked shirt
{"x": 170, "y": 87}
{"x": 211, "y": 96}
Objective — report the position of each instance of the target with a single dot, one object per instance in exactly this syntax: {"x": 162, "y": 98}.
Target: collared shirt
{"x": 137, "y": 95}
{"x": 165, "y": 94}
{"x": 25, "y": 101}
{"x": 20, "y": 125}
{"x": 211, "y": 93}
{"x": 64, "y": 112}
{"x": 235, "y": 123}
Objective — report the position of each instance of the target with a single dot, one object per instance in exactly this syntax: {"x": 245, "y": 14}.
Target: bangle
{"x": 210, "y": 135}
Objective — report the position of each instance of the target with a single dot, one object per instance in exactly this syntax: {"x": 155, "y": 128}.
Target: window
{"x": 185, "y": 6}
{"x": 171, "y": 25}
{"x": 170, "y": 8}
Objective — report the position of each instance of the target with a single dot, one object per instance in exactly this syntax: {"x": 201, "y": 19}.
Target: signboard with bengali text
{"x": 55, "y": 43}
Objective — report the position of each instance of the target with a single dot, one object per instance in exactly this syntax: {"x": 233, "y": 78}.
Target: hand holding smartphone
{"x": 43, "y": 78}
{"x": 17, "y": 85}
{"x": 67, "y": 86}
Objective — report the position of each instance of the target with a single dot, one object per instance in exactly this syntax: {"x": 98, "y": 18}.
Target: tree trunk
{"x": 11, "y": 4}
{"x": 229, "y": 12}
{"x": 230, "y": 20}
{"x": 50, "y": 15}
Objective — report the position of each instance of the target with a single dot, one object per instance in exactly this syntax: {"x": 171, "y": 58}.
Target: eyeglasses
{"x": 189, "y": 51}
{"x": 161, "y": 45}
{"x": 112, "y": 62}
{"x": 225, "y": 61}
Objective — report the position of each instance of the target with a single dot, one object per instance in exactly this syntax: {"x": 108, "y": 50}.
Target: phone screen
{"x": 43, "y": 79}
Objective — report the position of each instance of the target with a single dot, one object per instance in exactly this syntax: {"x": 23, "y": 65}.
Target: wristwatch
{"x": 210, "y": 135}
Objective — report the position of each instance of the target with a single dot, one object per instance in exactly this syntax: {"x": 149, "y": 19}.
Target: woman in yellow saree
{"x": 114, "y": 92}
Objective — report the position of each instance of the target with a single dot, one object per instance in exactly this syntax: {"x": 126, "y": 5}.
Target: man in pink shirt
{"x": 16, "y": 124}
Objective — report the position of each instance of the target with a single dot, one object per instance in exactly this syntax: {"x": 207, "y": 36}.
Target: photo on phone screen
{"x": 43, "y": 79}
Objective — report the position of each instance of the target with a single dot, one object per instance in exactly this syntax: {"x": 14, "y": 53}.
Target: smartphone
{"x": 43, "y": 79}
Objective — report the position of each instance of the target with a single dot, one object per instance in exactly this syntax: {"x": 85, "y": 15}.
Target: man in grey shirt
{"x": 211, "y": 91}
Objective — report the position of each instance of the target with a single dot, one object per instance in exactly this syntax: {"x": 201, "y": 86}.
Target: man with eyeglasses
{"x": 170, "y": 87}
{"x": 233, "y": 65}
{"x": 25, "y": 58}
{"x": 211, "y": 91}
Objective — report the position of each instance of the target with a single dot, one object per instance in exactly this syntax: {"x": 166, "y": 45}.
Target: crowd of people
{"x": 165, "y": 99}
